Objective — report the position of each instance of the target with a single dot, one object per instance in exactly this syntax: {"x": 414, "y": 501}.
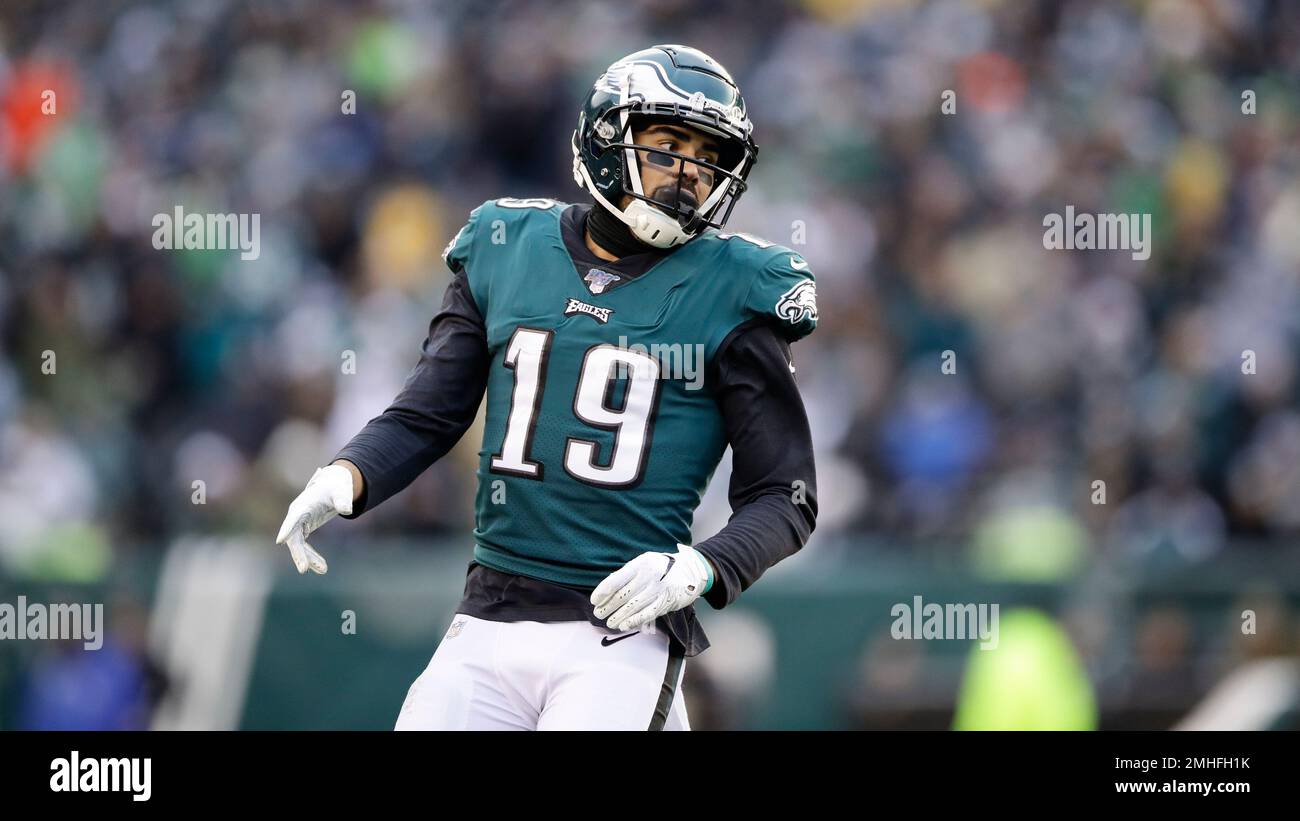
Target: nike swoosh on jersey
{"x": 607, "y": 641}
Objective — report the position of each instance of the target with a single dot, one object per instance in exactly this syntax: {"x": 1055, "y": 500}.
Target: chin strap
{"x": 652, "y": 226}
{"x": 694, "y": 223}
{"x": 612, "y": 234}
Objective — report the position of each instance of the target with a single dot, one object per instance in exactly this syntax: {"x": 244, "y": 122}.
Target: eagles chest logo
{"x": 598, "y": 280}
{"x": 577, "y": 306}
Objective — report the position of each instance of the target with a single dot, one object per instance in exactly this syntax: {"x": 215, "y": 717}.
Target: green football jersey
{"x": 601, "y": 432}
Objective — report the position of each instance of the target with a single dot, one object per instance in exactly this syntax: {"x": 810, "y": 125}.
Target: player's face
{"x": 659, "y": 174}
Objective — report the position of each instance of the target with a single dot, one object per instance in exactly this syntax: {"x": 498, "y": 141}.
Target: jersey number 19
{"x": 631, "y": 423}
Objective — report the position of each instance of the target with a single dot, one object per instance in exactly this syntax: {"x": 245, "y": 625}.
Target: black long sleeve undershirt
{"x": 773, "y": 488}
{"x": 435, "y": 407}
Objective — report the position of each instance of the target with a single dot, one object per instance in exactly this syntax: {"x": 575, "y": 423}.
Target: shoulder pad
{"x": 783, "y": 288}
{"x": 490, "y": 219}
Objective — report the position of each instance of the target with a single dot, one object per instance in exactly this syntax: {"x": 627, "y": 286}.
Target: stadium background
{"x": 924, "y": 230}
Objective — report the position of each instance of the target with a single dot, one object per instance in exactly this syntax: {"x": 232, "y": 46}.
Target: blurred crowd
{"x": 180, "y": 377}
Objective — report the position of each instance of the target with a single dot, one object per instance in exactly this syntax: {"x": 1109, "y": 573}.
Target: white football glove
{"x": 328, "y": 493}
{"x": 651, "y": 585}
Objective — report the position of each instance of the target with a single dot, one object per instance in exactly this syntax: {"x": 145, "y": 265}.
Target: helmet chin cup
{"x": 647, "y": 223}
{"x": 652, "y": 226}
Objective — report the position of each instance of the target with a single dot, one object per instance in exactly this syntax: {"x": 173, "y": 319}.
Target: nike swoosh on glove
{"x": 651, "y": 585}
{"x": 328, "y": 493}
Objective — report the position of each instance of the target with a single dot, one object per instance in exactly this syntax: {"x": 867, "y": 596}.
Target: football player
{"x": 578, "y": 604}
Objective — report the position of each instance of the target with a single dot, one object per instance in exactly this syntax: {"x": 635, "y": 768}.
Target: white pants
{"x": 528, "y": 675}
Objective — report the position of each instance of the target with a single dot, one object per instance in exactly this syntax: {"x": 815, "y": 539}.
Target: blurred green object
{"x": 382, "y": 59}
{"x": 1138, "y": 192}
{"x": 71, "y": 169}
{"x": 1032, "y": 543}
{"x": 71, "y": 552}
{"x": 1032, "y": 680}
